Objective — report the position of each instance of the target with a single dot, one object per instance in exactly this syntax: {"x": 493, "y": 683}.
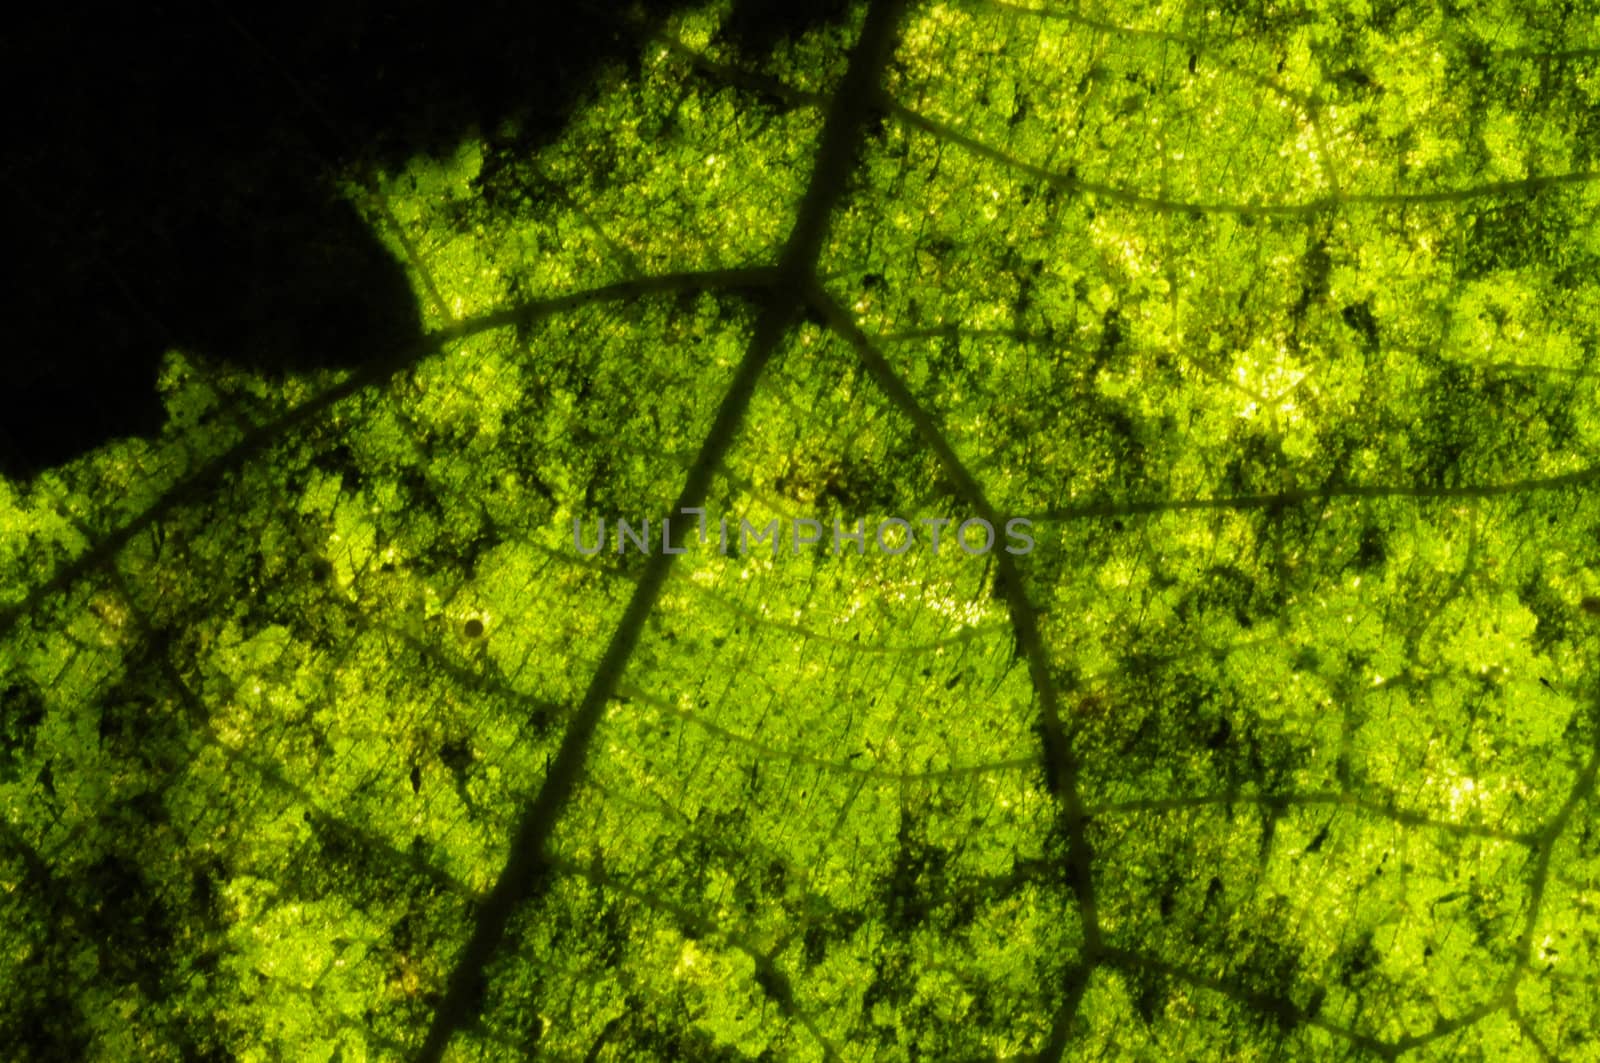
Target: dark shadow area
{"x": 169, "y": 179}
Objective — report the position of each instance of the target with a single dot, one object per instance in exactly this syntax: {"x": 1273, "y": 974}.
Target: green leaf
{"x": 322, "y": 739}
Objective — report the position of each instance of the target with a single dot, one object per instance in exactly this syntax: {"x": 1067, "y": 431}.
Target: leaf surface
{"x": 322, "y": 740}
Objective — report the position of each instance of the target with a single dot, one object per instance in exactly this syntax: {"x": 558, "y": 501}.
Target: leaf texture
{"x": 322, "y": 740}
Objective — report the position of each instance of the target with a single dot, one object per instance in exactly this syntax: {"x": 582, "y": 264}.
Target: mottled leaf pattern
{"x": 321, "y": 741}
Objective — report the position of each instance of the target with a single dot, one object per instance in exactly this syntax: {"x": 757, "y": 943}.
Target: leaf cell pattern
{"x": 1277, "y": 320}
